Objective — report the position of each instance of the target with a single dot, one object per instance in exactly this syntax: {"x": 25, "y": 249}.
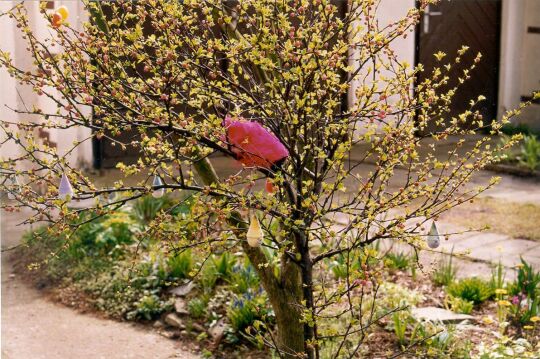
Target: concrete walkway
{"x": 35, "y": 328}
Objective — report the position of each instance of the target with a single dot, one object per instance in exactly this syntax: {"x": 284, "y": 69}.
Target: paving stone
{"x": 508, "y": 251}
{"x": 434, "y": 314}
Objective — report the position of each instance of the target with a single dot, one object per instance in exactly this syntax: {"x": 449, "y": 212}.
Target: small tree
{"x": 264, "y": 82}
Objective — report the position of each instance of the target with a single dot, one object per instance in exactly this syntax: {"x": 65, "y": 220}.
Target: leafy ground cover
{"x": 109, "y": 267}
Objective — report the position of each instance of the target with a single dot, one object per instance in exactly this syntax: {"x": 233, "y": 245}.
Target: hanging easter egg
{"x": 433, "y": 238}
{"x": 65, "y": 191}
{"x": 255, "y": 234}
{"x": 269, "y": 186}
{"x": 15, "y": 187}
{"x": 158, "y": 192}
{"x": 63, "y": 11}
{"x": 56, "y": 20}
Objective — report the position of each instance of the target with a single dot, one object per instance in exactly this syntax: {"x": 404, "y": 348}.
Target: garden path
{"x": 36, "y": 328}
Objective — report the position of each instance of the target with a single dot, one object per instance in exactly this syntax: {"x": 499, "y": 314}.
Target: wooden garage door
{"x": 451, "y": 24}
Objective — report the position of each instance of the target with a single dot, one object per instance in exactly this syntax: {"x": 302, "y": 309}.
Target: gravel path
{"x": 35, "y": 328}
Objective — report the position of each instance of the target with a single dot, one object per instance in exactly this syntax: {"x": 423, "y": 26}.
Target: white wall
{"x": 520, "y": 58}
{"x": 390, "y": 11}
{"x": 530, "y": 69}
{"x": 22, "y": 97}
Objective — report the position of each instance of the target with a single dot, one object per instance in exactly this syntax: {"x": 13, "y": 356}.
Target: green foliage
{"x": 524, "y": 294}
{"x": 427, "y": 339}
{"x": 400, "y": 320}
{"x": 445, "y": 272}
{"x": 527, "y": 281}
{"x": 146, "y": 209}
{"x": 458, "y": 305}
{"x": 498, "y": 274}
{"x": 520, "y": 128}
{"x": 149, "y": 307}
{"x": 244, "y": 278}
{"x": 471, "y": 289}
{"x": 180, "y": 265}
{"x": 440, "y": 341}
{"x": 224, "y": 264}
{"x": 529, "y": 155}
{"x": 217, "y": 268}
{"x": 343, "y": 264}
{"x": 397, "y": 261}
{"x": 246, "y": 309}
{"x": 197, "y": 307}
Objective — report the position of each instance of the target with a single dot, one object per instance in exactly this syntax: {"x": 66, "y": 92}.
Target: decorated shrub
{"x": 265, "y": 83}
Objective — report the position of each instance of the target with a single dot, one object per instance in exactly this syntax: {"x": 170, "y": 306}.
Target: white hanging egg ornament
{"x": 433, "y": 238}
{"x": 65, "y": 191}
{"x": 255, "y": 234}
{"x": 15, "y": 187}
{"x": 159, "y": 192}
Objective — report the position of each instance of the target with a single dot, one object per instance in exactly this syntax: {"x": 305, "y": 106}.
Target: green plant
{"x": 472, "y": 289}
{"x": 244, "y": 278}
{"x": 397, "y": 261}
{"x": 445, "y": 272}
{"x": 524, "y": 295}
{"x": 149, "y": 307}
{"x": 147, "y": 208}
{"x": 529, "y": 155}
{"x": 246, "y": 309}
{"x": 498, "y": 274}
{"x": 458, "y": 305}
{"x": 197, "y": 307}
{"x": 345, "y": 264}
{"x": 441, "y": 341}
{"x": 180, "y": 265}
{"x": 400, "y": 320}
{"x": 223, "y": 265}
{"x": 527, "y": 281}
{"x": 520, "y": 128}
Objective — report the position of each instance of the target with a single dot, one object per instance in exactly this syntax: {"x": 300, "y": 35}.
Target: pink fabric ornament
{"x": 253, "y": 144}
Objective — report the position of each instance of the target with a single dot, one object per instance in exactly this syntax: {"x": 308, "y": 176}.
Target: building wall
{"x": 19, "y": 97}
{"x": 530, "y": 69}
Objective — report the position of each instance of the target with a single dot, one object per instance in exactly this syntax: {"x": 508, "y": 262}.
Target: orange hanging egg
{"x": 57, "y": 20}
{"x": 269, "y": 186}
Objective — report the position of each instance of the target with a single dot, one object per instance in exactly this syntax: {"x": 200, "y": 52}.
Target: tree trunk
{"x": 285, "y": 294}
{"x": 286, "y": 298}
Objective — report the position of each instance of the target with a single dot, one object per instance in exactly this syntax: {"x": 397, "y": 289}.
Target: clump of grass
{"x": 472, "y": 289}
{"x": 197, "y": 307}
{"x": 397, "y": 261}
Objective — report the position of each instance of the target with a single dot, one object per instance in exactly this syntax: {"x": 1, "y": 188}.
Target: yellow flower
{"x": 500, "y": 291}
{"x": 487, "y": 320}
{"x": 535, "y": 319}
{"x": 528, "y": 327}
{"x": 504, "y": 303}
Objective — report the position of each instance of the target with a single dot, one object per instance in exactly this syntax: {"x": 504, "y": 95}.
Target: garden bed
{"x": 213, "y": 301}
